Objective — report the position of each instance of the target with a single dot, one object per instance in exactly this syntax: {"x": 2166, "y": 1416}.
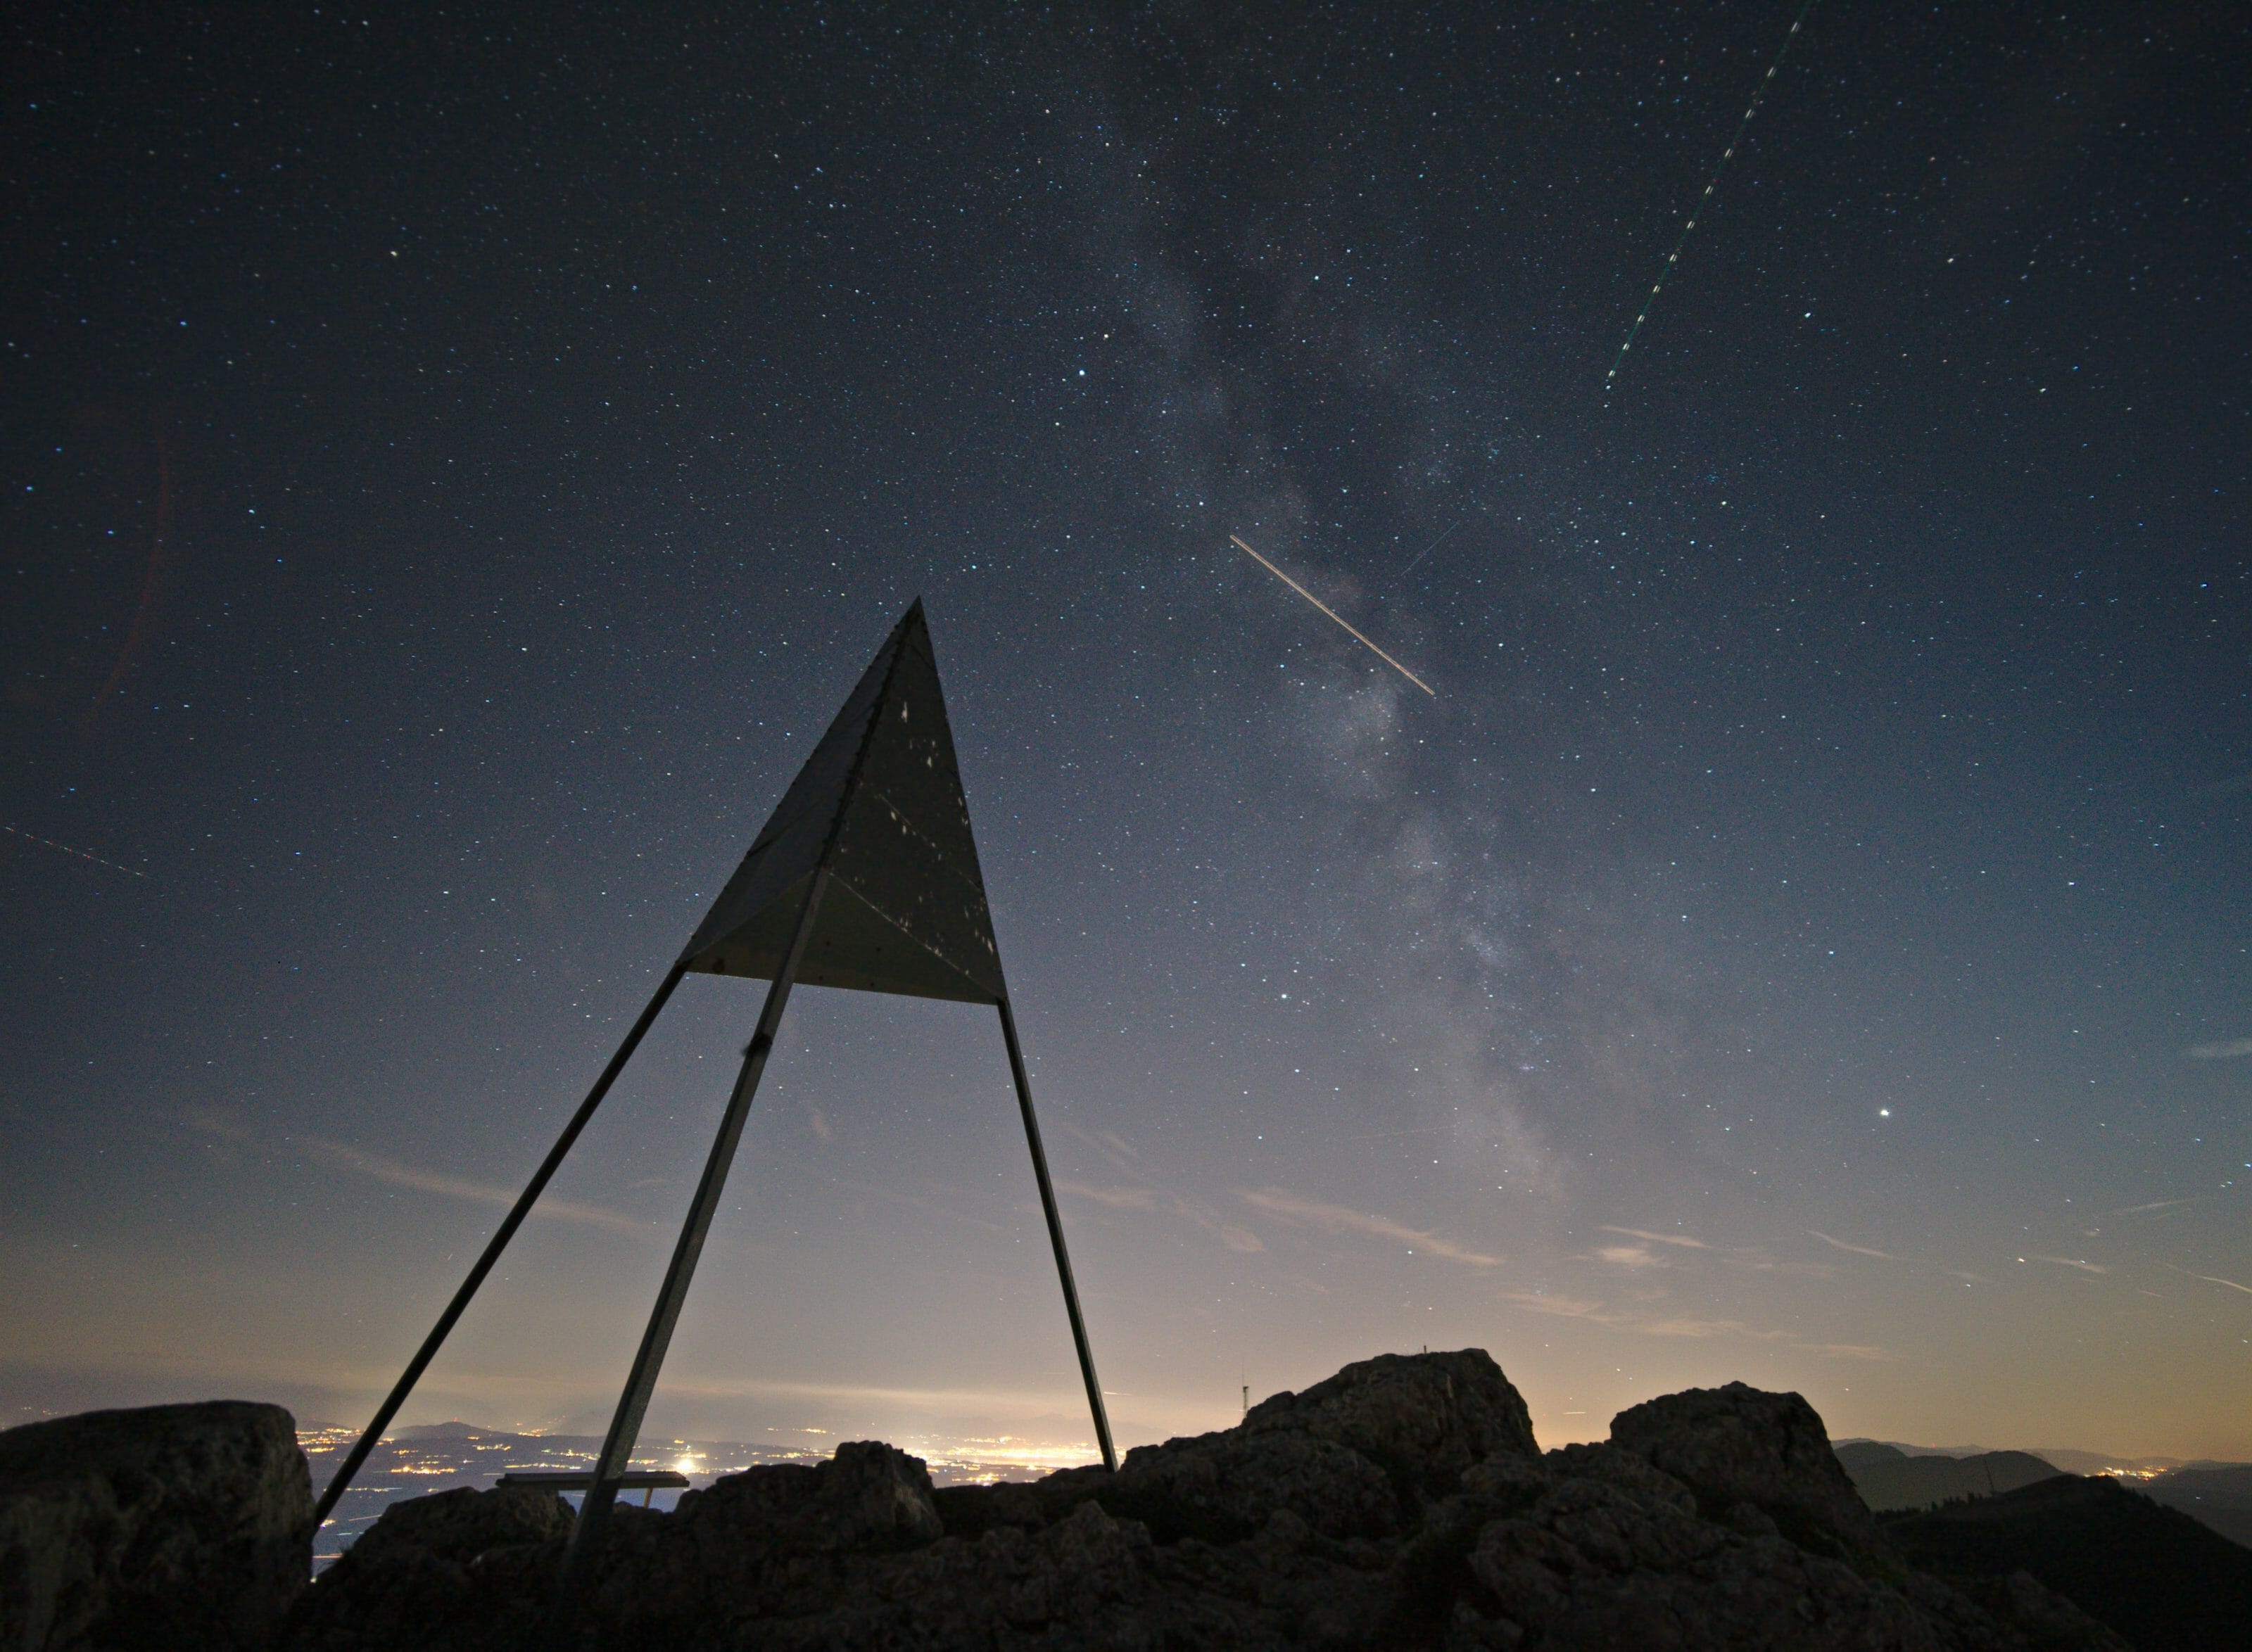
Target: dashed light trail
{"x": 1711, "y": 184}
{"x": 32, "y": 837}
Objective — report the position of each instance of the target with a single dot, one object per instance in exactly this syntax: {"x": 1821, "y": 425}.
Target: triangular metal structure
{"x": 866, "y": 877}
{"x": 882, "y": 797}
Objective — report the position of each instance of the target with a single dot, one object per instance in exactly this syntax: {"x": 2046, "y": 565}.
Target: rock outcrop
{"x": 1401, "y": 1504}
{"x": 185, "y": 1528}
{"x": 486, "y": 1558}
{"x": 1738, "y": 1446}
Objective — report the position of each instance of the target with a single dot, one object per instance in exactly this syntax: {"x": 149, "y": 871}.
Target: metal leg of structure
{"x": 641, "y": 1382}
{"x": 1055, "y": 1237}
{"x": 494, "y": 1247}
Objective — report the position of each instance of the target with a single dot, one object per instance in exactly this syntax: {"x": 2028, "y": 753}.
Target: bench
{"x": 644, "y": 1480}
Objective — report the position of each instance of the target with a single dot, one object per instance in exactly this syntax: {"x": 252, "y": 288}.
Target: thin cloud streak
{"x": 1562, "y": 1306}
{"x": 2070, "y": 1261}
{"x": 1747, "y": 1257}
{"x": 1678, "y": 1326}
{"x": 1682, "y": 1239}
{"x": 1151, "y": 1202}
{"x": 1858, "y": 1250}
{"x": 378, "y": 1167}
{"x": 1633, "y": 1256}
{"x": 2226, "y": 1049}
{"x": 1709, "y": 1328}
{"x": 1118, "y": 1198}
{"x": 1287, "y": 1206}
{"x": 1850, "y": 1351}
{"x": 1752, "y": 1262}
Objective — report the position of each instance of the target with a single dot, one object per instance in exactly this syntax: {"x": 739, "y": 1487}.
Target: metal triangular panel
{"x": 881, "y": 795}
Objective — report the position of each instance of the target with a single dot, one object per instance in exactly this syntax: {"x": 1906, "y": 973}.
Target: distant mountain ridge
{"x": 1893, "y": 1478}
{"x": 2219, "y": 1495}
{"x": 2065, "y": 1459}
{"x": 2165, "y": 1581}
{"x": 454, "y": 1431}
{"x": 1889, "y": 1479}
{"x": 2108, "y": 1462}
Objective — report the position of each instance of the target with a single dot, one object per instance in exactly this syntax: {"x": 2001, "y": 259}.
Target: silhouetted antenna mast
{"x": 866, "y": 877}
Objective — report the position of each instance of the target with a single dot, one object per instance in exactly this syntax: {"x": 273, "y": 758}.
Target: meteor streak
{"x": 31, "y": 837}
{"x": 1711, "y": 184}
{"x": 1426, "y": 552}
{"x": 1332, "y": 613}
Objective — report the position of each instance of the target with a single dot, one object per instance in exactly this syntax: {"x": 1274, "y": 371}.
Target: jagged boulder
{"x": 1356, "y": 1455}
{"x": 1401, "y": 1504}
{"x": 869, "y": 1495}
{"x": 1737, "y": 1447}
{"x": 1084, "y": 1580}
{"x": 456, "y": 1569}
{"x": 175, "y": 1527}
{"x": 468, "y": 1570}
{"x": 1615, "y": 1466}
{"x": 780, "y": 1540}
{"x": 1422, "y": 1417}
{"x": 1221, "y": 1488}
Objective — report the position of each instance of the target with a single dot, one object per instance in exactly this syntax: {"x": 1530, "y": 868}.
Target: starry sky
{"x": 453, "y": 465}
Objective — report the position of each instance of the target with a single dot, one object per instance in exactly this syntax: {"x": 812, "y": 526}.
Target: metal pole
{"x": 641, "y": 1382}
{"x": 501, "y": 1234}
{"x": 1055, "y": 1237}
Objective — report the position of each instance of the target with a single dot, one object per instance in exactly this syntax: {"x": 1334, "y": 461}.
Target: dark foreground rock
{"x": 176, "y": 1527}
{"x": 1402, "y": 1503}
{"x": 1738, "y": 1446}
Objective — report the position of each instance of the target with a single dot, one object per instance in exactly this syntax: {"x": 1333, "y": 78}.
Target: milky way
{"x": 1818, "y": 881}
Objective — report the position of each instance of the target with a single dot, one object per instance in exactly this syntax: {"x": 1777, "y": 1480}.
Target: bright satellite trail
{"x": 1332, "y": 613}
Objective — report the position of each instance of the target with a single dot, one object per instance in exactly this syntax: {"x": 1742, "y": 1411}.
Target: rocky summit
{"x": 173, "y": 1528}
{"x": 1401, "y": 1504}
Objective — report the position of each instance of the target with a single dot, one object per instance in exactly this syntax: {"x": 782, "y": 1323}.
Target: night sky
{"x": 456, "y": 463}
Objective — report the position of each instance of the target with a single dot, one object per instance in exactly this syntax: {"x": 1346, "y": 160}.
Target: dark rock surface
{"x": 1423, "y": 1418}
{"x": 178, "y": 1527}
{"x": 2155, "y": 1575}
{"x": 1737, "y": 1445}
{"x": 481, "y": 1557}
{"x": 1402, "y": 1503}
